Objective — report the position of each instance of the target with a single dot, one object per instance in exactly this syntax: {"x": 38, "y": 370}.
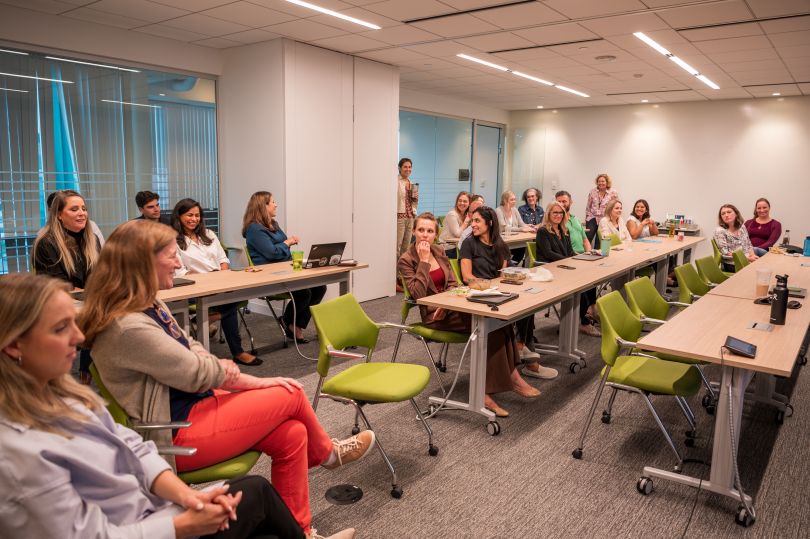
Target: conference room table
{"x": 565, "y": 288}
{"x": 231, "y": 286}
{"x": 699, "y": 332}
{"x": 513, "y": 241}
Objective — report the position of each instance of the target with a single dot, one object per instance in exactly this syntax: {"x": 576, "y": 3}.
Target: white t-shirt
{"x": 201, "y": 258}
{"x": 645, "y": 231}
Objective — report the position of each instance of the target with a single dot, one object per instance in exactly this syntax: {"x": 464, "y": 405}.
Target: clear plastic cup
{"x": 763, "y": 282}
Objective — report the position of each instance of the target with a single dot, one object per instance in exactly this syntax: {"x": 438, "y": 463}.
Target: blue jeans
{"x": 759, "y": 251}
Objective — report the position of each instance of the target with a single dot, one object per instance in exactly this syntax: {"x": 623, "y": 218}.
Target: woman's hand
{"x": 291, "y": 240}
{"x": 206, "y": 521}
{"x": 439, "y": 314}
{"x": 423, "y": 250}
{"x": 290, "y": 384}
{"x": 751, "y": 256}
{"x": 231, "y": 369}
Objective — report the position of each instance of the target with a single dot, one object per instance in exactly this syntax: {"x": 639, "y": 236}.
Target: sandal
{"x": 290, "y": 335}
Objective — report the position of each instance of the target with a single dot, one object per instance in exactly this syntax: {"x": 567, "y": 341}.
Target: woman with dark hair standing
{"x": 407, "y": 200}
{"x": 763, "y": 230}
{"x": 67, "y": 248}
{"x": 267, "y": 243}
{"x": 482, "y": 256}
{"x": 201, "y": 252}
{"x": 640, "y": 224}
{"x": 731, "y": 236}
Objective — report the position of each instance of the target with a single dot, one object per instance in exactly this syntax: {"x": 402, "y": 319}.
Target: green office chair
{"x": 651, "y": 308}
{"x": 709, "y": 271}
{"x": 426, "y": 334}
{"x": 614, "y": 240}
{"x": 341, "y": 323}
{"x": 531, "y": 253}
{"x": 716, "y": 254}
{"x": 227, "y": 469}
{"x": 455, "y": 264}
{"x": 283, "y": 298}
{"x": 740, "y": 260}
{"x": 440, "y": 220}
{"x": 690, "y": 285}
{"x": 641, "y": 374}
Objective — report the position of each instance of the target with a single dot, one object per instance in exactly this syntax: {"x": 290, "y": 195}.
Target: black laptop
{"x": 324, "y": 254}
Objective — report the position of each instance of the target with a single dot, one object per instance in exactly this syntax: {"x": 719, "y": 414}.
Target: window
{"x": 104, "y": 130}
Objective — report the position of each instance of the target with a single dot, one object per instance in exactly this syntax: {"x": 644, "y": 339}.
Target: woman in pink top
{"x": 763, "y": 231}
{"x": 595, "y": 206}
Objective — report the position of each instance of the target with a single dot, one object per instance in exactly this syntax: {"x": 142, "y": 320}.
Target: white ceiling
{"x": 750, "y": 48}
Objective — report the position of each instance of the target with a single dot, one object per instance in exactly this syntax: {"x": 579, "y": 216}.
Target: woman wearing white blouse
{"x": 455, "y": 221}
{"x": 612, "y": 222}
{"x": 201, "y": 252}
{"x": 510, "y": 221}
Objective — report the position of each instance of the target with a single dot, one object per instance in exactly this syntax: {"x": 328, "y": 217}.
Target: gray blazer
{"x": 94, "y": 484}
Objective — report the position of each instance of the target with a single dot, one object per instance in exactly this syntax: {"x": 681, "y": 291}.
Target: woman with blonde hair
{"x": 612, "y": 224}
{"x": 158, "y": 374}
{"x": 595, "y": 205}
{"x": 68, "y": 471}
{"x": 455, "y": 221}
{"x": 267, "y": 243}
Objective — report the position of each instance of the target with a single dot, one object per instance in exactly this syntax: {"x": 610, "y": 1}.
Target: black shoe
{"x": 289, "y": 334}
{"x": 255, "y": 363}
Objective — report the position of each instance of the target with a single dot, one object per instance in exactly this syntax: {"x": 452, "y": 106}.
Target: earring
{"x": 19, "y": 360}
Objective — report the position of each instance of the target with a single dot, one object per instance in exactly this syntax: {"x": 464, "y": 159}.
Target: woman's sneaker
{"x": 348, "y": 533}
{"x": 350, "y": 449}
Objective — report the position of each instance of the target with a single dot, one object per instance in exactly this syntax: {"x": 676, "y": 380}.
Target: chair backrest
{"x": 341, "y": 323}
{"x": 247, "y": 254}
{"x": 614, "y": 240}
{"x": 716, "y": 253}
{"x": 118, "y": 414}
{"x": 740, "y": 261}
{"x": 709, "y": 270}
{"x": 689, "y": 282}
{"x": 407, "y": 303}
{"x": 616, "y": 320}
{"x": 440, "y": 220}
{"x": 531, "y": 250}
{"x": 456, "y": 266}
{"x": 644, "y": 299}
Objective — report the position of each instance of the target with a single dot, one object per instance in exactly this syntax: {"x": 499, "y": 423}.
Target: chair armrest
{"x": 712, "y": 285}
{"x": 642, "y": 354}
{"x": 161, "y": 426}
{"x": 344, "y": 354}
{"x": 625, "y": 344}
{"x": 392, "y": 325}
{"x": 177, "y": 451}
{"x": 679, "y": 304}
{"x": 654, "y": 321}
{"x": 695, "y": 296}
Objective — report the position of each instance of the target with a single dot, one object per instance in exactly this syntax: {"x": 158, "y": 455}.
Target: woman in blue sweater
{"x": 267, "y": 243}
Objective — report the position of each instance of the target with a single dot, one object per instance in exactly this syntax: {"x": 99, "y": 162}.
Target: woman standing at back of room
{"x": 595, "y": 206}
{"x": 201, "y": 252}
{"x": 763, "y": 230}
{"x": 407, "y": 201}
{"x": 267, "y": 243}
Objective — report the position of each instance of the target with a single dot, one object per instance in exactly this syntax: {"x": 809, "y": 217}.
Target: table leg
{"x": 687, "y": 255}
{"x": 343, "y": 285}
{"x": 202, "y": 323}
{"x": 661, "y": 270}
{"x": 765, "y": 392}
{"x": 721, "y": 476}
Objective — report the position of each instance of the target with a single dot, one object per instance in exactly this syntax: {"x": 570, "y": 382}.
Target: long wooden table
{"x": 700, "y": 331}
{"x": 566, "y": 289}
{"x": 743, "y": 283}
{"x": 513, "y": 241}
{"x": 220, "y": 287}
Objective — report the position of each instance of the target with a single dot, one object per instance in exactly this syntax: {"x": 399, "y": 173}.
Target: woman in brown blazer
{"x": 426, "y": 271}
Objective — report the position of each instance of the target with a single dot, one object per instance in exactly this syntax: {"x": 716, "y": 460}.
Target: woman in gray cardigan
{"x": 158, "y": 373}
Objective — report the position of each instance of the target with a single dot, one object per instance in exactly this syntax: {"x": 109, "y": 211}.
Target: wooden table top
{"x": 743, "y": 283}
{"x": 566, "y": 282}
{"x": 216, "y": 282}
{"x": 699, "y": 331}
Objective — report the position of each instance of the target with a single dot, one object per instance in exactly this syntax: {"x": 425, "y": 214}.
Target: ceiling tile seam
{"x": 473, "y": 10}
{"x": 774, "y": 84}
{"x": 724, "y": 24}
{"x": 545, "y": 46}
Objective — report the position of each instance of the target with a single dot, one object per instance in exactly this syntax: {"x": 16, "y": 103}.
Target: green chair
{"x": 440, "y": 220}
{"x": 716, "y": 254}
{"x": 637, "y": 373}
{"x": 690, "y": 285}
{"x": 455, "y": 264}
{"x": 531, "y": 253}
{"x": 341, "y": 323}
{"x": 614, "y": 240}
{"x": 740, "y": 260}
{"x": 283, "y": 298}
{"x": 709, "y": 271}
{"x": 227, "y": 469}
{"x": 426, "y": 334}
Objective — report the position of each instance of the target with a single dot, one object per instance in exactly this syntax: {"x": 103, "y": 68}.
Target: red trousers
{"x": 274, "y": 421}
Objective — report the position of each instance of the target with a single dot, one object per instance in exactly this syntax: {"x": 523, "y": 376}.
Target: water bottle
{"x": 779, "y": 301}
{"x": 807, "y": 246}
{"x": 786, "y": 239}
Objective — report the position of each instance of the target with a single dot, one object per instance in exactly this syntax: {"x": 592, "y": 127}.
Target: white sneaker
{"x": 546, "y": 373}
{"x": 526, "y": 354}
{"x": 348, "y": 533}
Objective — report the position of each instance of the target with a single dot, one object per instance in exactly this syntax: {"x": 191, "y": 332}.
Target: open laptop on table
{"x": 324, "y": 254}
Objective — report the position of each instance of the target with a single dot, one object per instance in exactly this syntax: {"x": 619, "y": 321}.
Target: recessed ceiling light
{"x": 571, "y": 90}
{"x": 645, "y": 100}
{"x": 162, "y": 95}
{"x": 482, "y": 62}
{"x": 539, "y": 106}
{"x": 775, "y": 94}
{"x": 535, "y": 79}
{"x": 334, "y": 14}
{"x": 692, "y": 71}
{"x": 554, "y": 111}
{"x": 519, "y": 74}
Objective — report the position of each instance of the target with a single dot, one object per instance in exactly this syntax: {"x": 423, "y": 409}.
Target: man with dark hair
{"x": 579, "y": 239}
{"x": 149, "y": 205}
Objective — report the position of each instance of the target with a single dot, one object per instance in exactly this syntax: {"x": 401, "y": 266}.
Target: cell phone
{"x": 563, "y": 266}
{"x": 740, "y": 347}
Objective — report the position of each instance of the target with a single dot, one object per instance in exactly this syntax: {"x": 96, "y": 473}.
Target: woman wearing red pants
{"x": 158, "y": 374}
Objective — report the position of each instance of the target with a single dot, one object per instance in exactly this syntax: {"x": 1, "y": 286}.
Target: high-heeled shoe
{"x": 289, "y": 334}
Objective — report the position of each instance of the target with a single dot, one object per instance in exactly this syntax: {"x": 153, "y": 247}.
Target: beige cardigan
{"x": 138, "y": 362}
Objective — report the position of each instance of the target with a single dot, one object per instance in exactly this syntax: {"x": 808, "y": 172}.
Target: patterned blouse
{"x": 728, "y": 242}
{"x": 596, "y": 204}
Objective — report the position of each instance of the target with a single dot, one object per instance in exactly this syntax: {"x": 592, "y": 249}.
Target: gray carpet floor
{"x": 524, "y": 482}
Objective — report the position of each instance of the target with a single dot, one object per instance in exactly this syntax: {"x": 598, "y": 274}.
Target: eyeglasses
{"x": 168, "y": 321}
{"x": 557, "y": 213}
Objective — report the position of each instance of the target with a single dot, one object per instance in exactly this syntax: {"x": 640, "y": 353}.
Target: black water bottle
{"x": 779, "y": 301}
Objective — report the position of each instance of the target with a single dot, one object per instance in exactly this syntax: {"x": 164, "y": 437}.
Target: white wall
{"x": 683, "y": 157}
{"x": 449, "y": 106}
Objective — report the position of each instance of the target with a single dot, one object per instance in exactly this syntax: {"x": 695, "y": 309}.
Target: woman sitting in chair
{"x": 612, "y": 225}
{"x": 267, "y": 243}
{"x": 158, "y": 374}
{"x": 640, "y": 224}
{"x": 68, "y": 471}
{"x": 554, "y": 243}
{"x": 731, "y": 235}
{"x": 201, "y": 252}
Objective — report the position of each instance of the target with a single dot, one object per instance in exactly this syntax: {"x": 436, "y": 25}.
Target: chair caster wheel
{"x": 691, "y": 434}
{"x": 711, "y": 409}
{"x": 433, "y": 450}
{"x": 577, "y": 454}
{"x": 574, "y": 367}
{"x": 355, "y": 430}
{"x": 743, "y": 517}
{"x": 645, "y": 486}
{"x": 396, "y": 492}
{"x": 606, "y": 418}
{"x": 493, "y": 428}
{"x": 689, "y": 442}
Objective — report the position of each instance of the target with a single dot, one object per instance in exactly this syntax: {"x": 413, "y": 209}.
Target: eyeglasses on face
{"x": 557, "y": 213}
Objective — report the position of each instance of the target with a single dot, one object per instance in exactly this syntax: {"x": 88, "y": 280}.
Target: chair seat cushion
{"x": 228, "y": 469}
{"x": 656, "y": 375}
{"x": 379, "y": 382}
{"x": 438, "y": 335}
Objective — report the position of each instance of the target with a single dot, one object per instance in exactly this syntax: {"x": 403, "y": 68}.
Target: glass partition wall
{"x": 104, "y": 130}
